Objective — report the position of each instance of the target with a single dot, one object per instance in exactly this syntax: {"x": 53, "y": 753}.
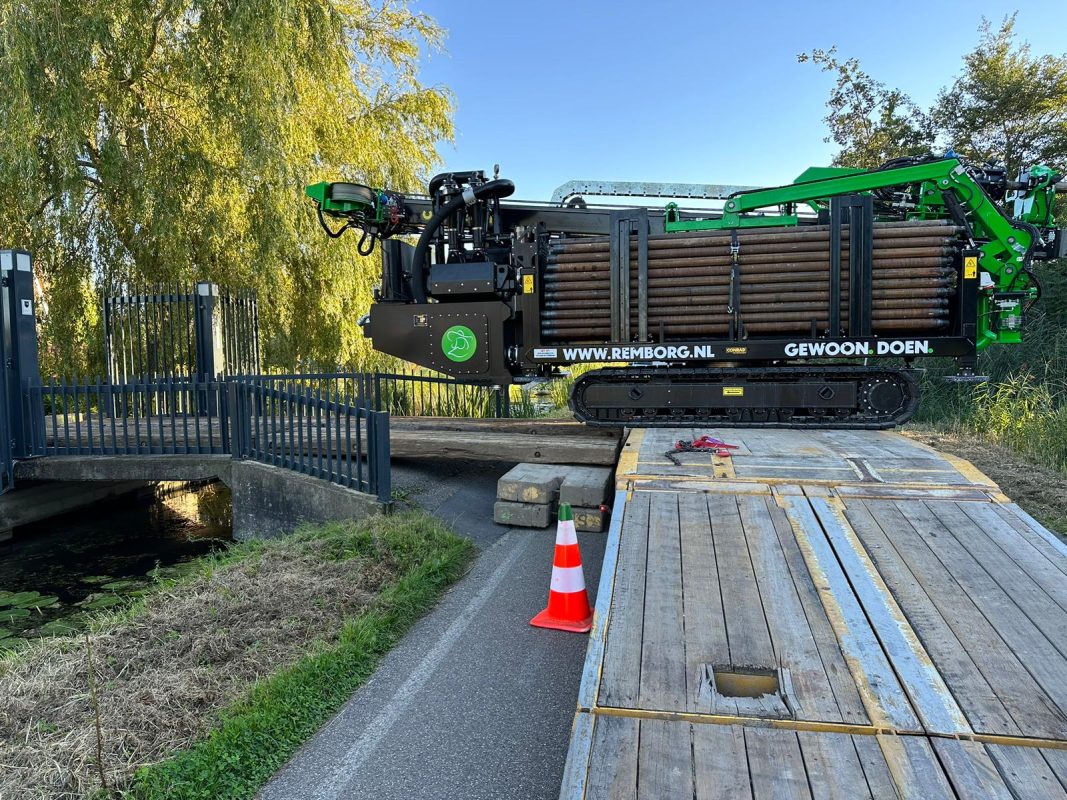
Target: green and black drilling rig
{"x": 778, "y": 308}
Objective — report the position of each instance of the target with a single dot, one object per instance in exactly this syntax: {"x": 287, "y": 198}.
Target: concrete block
{"x": 589, "y": 519}
{"x": 530, "y": 483}
{"x": 585, "y": 486}
{"x": 525, "y": 515}
{"x": 270, "y": 501}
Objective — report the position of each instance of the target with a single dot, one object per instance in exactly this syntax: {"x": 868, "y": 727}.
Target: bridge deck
{"x": 521, "y": 440}
{"x": 826, "y": 614}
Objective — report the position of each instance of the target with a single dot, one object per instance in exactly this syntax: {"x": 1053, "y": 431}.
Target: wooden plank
{"x": 1012, "y": 685}
{"x": 720, "y": 763}
{"x": 663, "y": 675}
{"x": 704, "y": 623}
{"x": 1039, "y": 605}
{"x": 1057, "y": 761}
{"x": 665, "y": 760}
{"x": 875, "y": 769}
{"x": 776, "y": 765}
{"x": 973, "y": 774}
{"x": 886, "y": 703}
{"x": 791, "y": 636}
{"x": 846, "y": 694}
{"x": 501, "y": 447}
{"x": 915, "y": 768}
{"x": 1046, "y": 572}
{"x": 979, "y": 700}
{"x": 613, "y": 763}
{"x": 1033, "y": 649}
{"x": 930, "y": 696}
{"x": 746, "y": 626}
{"x": 834, "y": 770}
{"x": 621, "y": 678}
{"x": 1042, "y": 539}
{"x": 529, "y": 427}
{"x": 1027, "y": 772}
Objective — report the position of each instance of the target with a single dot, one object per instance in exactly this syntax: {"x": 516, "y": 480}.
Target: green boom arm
{"x": 1005, "y": 248}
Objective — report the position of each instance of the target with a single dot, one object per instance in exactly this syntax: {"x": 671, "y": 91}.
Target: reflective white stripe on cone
{"x": 568, "y": 579}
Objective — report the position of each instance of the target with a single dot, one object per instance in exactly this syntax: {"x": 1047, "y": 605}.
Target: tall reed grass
{"x": 1024, "y": 404}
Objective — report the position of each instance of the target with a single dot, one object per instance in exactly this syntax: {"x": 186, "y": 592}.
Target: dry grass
{"x": 164, "y": 672}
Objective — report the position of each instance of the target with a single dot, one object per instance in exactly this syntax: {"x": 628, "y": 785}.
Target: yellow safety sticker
{"x": 733, "y": 391}
{"x": 970, "y": 266}
{"x": 527, "y": 284}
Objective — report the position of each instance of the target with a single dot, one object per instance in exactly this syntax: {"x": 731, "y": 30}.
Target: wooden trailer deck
{"x": 826, "y": 614}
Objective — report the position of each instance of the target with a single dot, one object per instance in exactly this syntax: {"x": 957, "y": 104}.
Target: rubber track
{"x": 858, "y": 421}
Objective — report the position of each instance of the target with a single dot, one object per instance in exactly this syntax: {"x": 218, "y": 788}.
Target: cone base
{"x": 546, "y": 620}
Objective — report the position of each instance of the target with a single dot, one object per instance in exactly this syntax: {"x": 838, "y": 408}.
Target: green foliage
{"x": 1006, "y": 104}
{"x": 869, "y": 121}
{"x": 257, "y": 736}
{"x": 157, "y": 142}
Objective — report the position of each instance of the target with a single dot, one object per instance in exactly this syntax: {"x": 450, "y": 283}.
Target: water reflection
{"x": 53, "y": 572}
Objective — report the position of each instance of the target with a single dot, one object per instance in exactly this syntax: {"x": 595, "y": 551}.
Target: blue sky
{"x": 693, "y": 92}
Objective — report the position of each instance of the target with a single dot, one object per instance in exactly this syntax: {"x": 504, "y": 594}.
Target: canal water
{"x": 53, "y": 573}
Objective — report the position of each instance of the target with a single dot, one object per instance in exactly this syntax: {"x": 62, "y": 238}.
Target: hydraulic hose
{"x": 498, "y": 188}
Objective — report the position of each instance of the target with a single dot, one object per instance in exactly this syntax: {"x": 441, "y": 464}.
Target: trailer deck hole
{"x": 745, "y": 681}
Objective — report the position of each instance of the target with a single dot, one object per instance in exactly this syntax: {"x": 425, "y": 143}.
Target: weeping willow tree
{"x": 164, "y": 141}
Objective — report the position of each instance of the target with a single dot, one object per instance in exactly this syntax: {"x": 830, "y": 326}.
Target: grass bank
{"x": 1023, "y": 407}
{"x": 204, "y": 687}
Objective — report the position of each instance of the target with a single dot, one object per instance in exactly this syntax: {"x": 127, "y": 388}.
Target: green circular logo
{"x": 459, "y": 343}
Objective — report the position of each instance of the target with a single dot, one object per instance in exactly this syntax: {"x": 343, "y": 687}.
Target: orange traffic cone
{"x": 568, "y": 602}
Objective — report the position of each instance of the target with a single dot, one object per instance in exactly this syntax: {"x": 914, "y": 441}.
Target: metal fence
{"x": 327, "y": 434}
{"x": 181, "y": 331}
{"x": 167, "y": 416}
{"x": 406, "y": 394}
{"x": 320, "y": 432}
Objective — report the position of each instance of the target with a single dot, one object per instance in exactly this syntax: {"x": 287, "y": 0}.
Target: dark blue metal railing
{"x": 322, "y": 431}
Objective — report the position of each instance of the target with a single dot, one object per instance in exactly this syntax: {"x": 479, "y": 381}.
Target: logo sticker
{"x": 459, "y": 343}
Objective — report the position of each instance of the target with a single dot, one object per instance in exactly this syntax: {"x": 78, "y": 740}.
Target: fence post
{"x": 19, "y": 353}
{"x": 210, "y": 352}
{"x": 234, "y": 418}
{"x": 378, "y": 456}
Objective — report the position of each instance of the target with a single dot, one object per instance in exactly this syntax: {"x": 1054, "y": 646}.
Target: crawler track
{"x": 783, "y": 397}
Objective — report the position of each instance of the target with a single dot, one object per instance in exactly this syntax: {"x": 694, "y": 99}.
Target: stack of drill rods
{"x": 757, "y": 236}
{"x": 784, "y": 281}
{"x": 794, "y": 262}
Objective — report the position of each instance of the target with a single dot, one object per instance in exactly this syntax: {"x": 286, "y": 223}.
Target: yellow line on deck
{"x": 817, "y": 726}
{"x": 969, "y": 471}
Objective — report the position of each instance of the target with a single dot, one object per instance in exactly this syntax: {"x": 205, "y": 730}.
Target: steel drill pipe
{"x": 820, "y": 241}
{"x": 931, "y": 268}
{"x": 759, "y": 235}
{"x": 821, "y": 258}
{"x": 942, "y": 275}
{"x": 702, "y": 295}
{"x": 598, "y": 337}
{"x": 700, "y": 266}
{"x": 771, "y": 315}
{"x": 718, "y": 280}
{"x": 754, "y": 305}
{"x": 706, "y": 294}
{"x": 746, "y": 253}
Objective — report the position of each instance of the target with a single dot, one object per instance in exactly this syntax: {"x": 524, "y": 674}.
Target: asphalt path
{"x": 474, "y": 702}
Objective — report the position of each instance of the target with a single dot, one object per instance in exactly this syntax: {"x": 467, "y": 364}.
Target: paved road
{"x": 474, "y": 703}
